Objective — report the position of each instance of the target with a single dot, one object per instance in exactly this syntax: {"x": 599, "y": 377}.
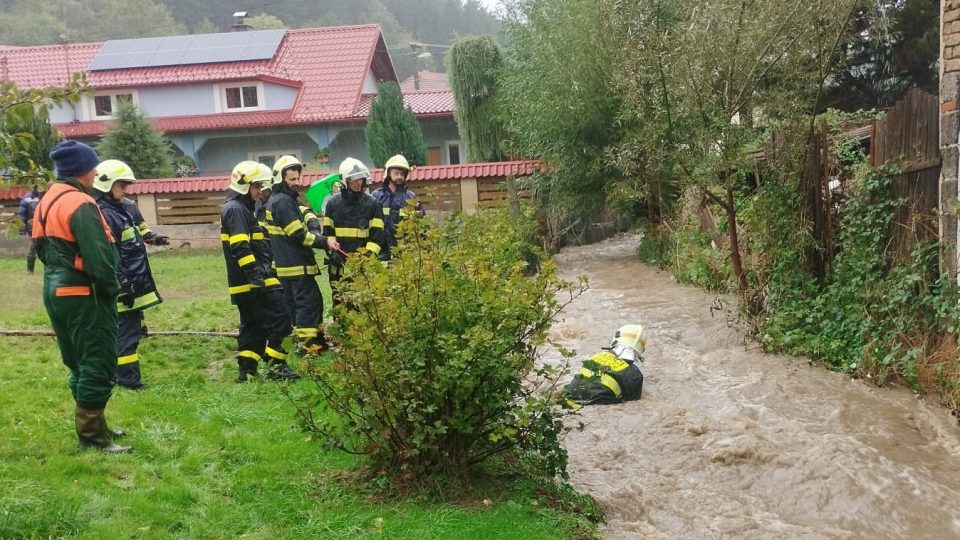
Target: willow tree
{"x": 474, "y": 63}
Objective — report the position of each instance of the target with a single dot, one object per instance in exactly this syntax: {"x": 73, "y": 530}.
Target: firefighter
{"x": 353, "y": 218}
{"x": 80, "y": 288}
{"x": 138, "y": 291}
{"x": 26, "y": 211}
{"x": 149, "y": 237}
{"x": 254, "y": 287}
{"x": 292, "y": 245}
{"x": 394, "y": 197}
{"x": 612, "y": 375}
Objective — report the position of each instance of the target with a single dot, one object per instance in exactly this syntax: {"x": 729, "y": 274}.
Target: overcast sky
{"x": 491, "y": 5}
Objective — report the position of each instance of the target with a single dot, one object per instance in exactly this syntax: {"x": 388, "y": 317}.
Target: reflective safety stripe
{"x": 376, "y": 222}
{"x": 128, "y": 359}
{"x": 273, "y": 353}
{"x": 306, "y": 332}
{"x": 374, "y": 247}
{"x": 240, "y": 289}
{"x": 309, "y": 239}
{"x": 327, "y": 222}
{"x": 237, "y": 238}
{"x": 271, "y": 282}
{"x": 273, "y": 230}
{"x": 224, "y": 237}
{"x": 144, "y": 230}
{"x": 248, "y": 259}
{"x": 612, "y": 384}
{"x": 294, "y": 271}
{"x": 386, "y": 210}
{"x": 128, "y": 234}
{"x": 292, "y": 227}
{"x": 258, "y": 236}
{"x": 350, "y": 232}
{"x": 76, "y": 290}
{"x": 140, "y": 302}
{"x": 249, "y": 354}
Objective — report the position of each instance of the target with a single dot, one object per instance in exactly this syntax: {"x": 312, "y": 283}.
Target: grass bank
{"x": 213, "y": 459}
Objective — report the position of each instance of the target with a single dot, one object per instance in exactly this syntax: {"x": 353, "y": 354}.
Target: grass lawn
{"x": 213, "y": 459}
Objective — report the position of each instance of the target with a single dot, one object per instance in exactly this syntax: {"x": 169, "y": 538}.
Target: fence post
{"x": 469, "y": 195}
{"x": 147, "y": 202}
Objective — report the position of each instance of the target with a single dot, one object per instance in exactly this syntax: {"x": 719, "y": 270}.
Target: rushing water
{"x": 728, "y": 442}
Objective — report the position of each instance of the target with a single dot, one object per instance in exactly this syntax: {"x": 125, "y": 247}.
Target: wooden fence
{"x": 189, "y": 208}
{"x": 909, "y": 136}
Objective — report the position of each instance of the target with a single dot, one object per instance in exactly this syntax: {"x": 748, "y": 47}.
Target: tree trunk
{"x": 735, "y": 259}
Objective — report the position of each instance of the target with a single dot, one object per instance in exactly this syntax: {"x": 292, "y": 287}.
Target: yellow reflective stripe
{"x": 224, "y": 237}
{"x": 327, "y": 222}
{"x": 386, "y": 210}
{"x": 610, "y": 360}
{"x": 257, "y": 236}
{"x": 292, "y": 227}
{"x": 144, "y": 229}
{"x": 240, "y": 289}
{"x": 306, "y": 332}
{"x": 351, "y": 232}
{"x": 273, "y": 353}
{"x": 128, "y": 359}
{"x": 271, "y": 282}
{"x": 294, "y": 271}
{"x": 374, "y": 247}
{"x": 141, "y": 302}
{"x": 309, "y": 239}
{"x": 237, "y": 238}
{"x": 248, "y": 259}
{"x": 612, "y": 384}
{"x": 273, "y": 230}
{"x": 128, "y": 234}
{"x": 249, "y": 354}
{"x": 376, "y": 222}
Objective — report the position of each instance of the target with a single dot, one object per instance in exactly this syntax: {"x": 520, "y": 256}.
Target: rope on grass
{"x": 24, "y": 333}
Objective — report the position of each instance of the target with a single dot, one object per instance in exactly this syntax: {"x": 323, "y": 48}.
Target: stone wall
{"x": 949, "y": 129}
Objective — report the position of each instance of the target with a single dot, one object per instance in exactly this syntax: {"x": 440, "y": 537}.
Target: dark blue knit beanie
{"x": 73, "y": 158}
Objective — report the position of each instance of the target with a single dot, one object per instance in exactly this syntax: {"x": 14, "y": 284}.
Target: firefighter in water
{"x": 394, "y": 197}
{"x": 253, "y": 284}
{"x": 80, "y": 288}
{"x": 138, "y": 291}
{"x": 353, "y": 218}
{"x": 292, "y": 244}
{"x": 612, "y": 375}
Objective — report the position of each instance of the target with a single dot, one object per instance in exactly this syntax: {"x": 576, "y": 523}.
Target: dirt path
{"x": 730, "y": 443}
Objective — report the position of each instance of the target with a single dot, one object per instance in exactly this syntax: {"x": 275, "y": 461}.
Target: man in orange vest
{"x": 80, "y": 288}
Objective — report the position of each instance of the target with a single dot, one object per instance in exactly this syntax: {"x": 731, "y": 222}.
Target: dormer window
{"x": 241, "y": 97}
{"x": 104, "y": 105}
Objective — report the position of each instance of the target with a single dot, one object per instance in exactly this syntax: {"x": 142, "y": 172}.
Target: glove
{"x": 127, "y": 296}
{"x": 254, "y": 275}
{"x": 161, "y": 240}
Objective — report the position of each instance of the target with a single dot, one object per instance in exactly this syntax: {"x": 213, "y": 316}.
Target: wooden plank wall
{"x": 909, "y": 135}
{"x": 493, "y": 191}
{"x": 438, "y": 197}
{"x": 189, "y": 208}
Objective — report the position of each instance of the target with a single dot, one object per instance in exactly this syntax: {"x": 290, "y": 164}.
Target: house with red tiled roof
{"x": 224, "y": 98}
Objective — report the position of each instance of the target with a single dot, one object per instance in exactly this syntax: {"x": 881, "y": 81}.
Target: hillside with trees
{"x": 34, "y": 22}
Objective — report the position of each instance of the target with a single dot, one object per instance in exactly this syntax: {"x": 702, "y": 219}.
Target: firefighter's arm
{"x": 287, "y": 217}
{"x": 377, "y": 236}
{"x": 238, "y": 238}
{"x": 97, "y": 250}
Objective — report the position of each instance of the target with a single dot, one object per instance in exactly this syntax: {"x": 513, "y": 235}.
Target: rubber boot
{"x": 92, "y": 432}
{"x": 280, "y": 371}
{"x": 114, "y": 433}
{"x": 248, "y": 369}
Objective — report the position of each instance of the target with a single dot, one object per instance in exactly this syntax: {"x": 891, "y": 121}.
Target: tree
{"x": 31, "y": 22}
{"x": 474, "y": 64}
{"x": 265, "y": 21}
{"x": 133, "y": 140}
{"x": 393, "y": 129}
{"x": 25, "y": 132}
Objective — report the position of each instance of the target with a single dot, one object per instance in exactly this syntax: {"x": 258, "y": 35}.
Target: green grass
{"x": 213, "y": 459}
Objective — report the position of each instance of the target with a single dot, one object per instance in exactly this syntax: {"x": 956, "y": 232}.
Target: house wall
{"x": 220, "y": 155}
{"x": 438, "y": 132}
{"x": 177, "y": 100}
{"x": 949, "y": 131}
{"x": 351, "y": 141}
{"x": 64, "y": 113}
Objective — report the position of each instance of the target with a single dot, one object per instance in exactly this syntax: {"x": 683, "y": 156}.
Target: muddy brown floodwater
{"x": 728, "y": 442}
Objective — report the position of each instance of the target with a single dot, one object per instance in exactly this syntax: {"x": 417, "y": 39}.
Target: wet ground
{"x": 729, "y": 442}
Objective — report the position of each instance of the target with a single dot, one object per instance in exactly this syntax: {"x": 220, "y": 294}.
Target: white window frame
{"x": 91, "y": 104}
{"x": 446, "y": 151}
{"x": 221, "y": 96}
{"x": 256, "y": 155}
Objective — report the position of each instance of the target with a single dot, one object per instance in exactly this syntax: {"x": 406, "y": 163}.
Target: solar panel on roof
{"x": 186, "y": 50}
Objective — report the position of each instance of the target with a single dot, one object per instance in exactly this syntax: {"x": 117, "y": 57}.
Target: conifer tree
{"x": 133, "y": 140}
{"x": 393, "y": 129}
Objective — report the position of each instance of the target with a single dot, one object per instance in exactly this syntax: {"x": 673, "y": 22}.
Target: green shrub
{"x": 436, "y": 368}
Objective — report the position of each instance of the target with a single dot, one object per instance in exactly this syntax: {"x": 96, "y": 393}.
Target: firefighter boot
{"x": 114, "y": 433}
{"x": 92, "y": 432}
{"x": 248, "y": 369}
{"x": 280, "y": 371}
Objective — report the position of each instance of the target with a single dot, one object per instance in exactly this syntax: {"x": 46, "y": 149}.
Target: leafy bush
{"x": 436, "y": 369}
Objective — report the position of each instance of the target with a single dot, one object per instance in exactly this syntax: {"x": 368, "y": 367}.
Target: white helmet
{"x": 629, "y": 342}
{"x": 283, "y": 163}
{"x": 249, "y": 172}
{"x": 351, "y": 169}
{"x": 110, "y": 171}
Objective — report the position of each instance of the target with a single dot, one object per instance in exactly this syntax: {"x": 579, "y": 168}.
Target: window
{"x": 269, "y": 157}
{"x": 453, "y": 153}
{"x": 104, "y": 105}
{"x": 241, "y": 97}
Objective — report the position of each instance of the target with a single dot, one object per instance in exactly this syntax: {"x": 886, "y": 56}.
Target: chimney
{"x": 239, "y": 25}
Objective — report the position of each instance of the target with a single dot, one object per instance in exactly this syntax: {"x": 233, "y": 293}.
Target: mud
{"x": 729, "y": 442}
